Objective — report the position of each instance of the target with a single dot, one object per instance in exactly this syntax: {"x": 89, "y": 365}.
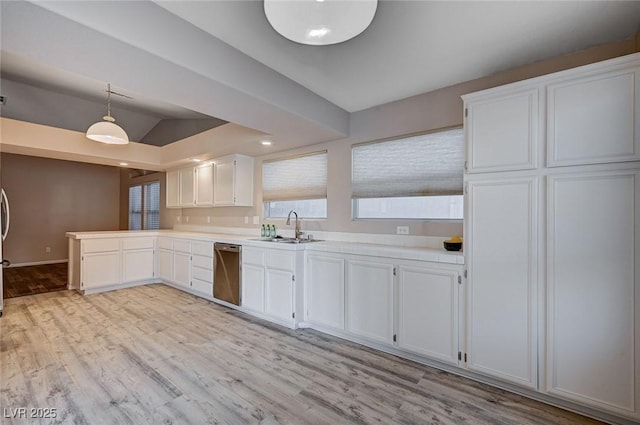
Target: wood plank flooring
{"x": 30, "y": 280}
{"x": 155, "y": 355}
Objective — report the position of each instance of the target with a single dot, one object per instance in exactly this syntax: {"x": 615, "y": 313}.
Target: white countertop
{"x": 376, "y": 250}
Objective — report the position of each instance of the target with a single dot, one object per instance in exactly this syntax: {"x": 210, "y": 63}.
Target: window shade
{"x": 135, "y": 208}
{"x": 302, "y": 177}
{"x": 429, "y": 164}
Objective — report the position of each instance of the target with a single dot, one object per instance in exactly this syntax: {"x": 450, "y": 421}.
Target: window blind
{"x": 151, "y": 206}
{"x": 302, "y": 177}
{"x": 424, "y": 165}
{"x": 135, "y": 208}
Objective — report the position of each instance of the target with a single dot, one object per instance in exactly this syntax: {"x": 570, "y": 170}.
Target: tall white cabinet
{"x": 552, "y": 234}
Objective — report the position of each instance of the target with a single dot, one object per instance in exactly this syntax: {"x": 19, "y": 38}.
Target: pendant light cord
{"x": 108, "y": 99}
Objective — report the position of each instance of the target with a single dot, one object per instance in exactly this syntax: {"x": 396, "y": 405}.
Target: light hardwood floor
{"x": 155, "y": 355}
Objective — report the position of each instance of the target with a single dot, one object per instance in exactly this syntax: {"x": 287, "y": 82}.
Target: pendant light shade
{"x": 108, "y": 131}
{"x": 320, "y": 22}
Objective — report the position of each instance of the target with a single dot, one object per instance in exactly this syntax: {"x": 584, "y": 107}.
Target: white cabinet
{"x": 182, "y": 262}
{"x": 593, "y": 313}
{"x": 325, "y": 291}
{"x": 233, "y": 182}
{"x": 271, "y": 284}
{"x": 428, "y": 312}
{"x": 253, "y": 287}
{"x": 279, "y": 294}
{"x": 502, "y": 131}
{"x": 173, "y": 189}
{"x": 370, "y": 300}
{"x": 593, "y": 119}
{"x": 187, "y": 187}
{"x": 501, "y": 238}
{"x": 203, "y": 193}
{"x": 100, "y": 263}
{"x": 202, "y": 267}
{"x": 165, "y": 264}
{"x": 137, "y": 259}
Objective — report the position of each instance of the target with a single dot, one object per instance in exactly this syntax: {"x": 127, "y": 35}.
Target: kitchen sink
{"x": 287, "y": 240}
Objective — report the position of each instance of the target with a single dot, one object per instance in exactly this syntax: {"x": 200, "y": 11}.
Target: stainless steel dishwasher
{"x": 227, "y": 273}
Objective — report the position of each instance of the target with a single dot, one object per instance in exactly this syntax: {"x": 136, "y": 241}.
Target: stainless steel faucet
{"x": 298, "y": 233}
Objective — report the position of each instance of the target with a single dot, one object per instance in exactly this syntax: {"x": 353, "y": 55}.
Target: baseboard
{"x": 37, "y": 263}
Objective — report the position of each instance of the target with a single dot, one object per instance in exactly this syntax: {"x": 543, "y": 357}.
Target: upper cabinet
{"x": 501, "y": 131}
{"x": 226, "y": 181}
{"x": 591, "y": 119}
{"x": 233, "y": 182}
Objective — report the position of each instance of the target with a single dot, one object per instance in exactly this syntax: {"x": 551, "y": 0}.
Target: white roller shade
{"x": 302, "y": 177}
{"x": 429, "y": 164}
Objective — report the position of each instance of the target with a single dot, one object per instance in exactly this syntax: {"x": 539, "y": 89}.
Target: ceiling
{"x": 192, "y": 60}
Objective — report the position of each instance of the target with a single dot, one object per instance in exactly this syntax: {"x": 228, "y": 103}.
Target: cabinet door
{"x": 279, "y": 294}
{"x": 182, "y": 269}
{"x": 187, "y": 190}
{"x": 501, "y": 241}
{"x": 325, "y": 288}
{"x": 204, "y": 185}
{"x": 253, "y": 287}
{"x": 225, "y": 178}
{"x": 370, "y": 300}
{"x": 502, "y": 132}
{"x": 593, "y": 286}
{"x": 173, "y": 189}
{"x": 137, "y": 265}
{"x": 594, "y": 119}
{"x": 100, "y": 269}
{"x": 165, "y": 265}
{"x": 428, "y": 312}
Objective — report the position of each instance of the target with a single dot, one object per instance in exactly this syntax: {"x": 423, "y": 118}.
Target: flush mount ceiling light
{"x": 108, "y": 131}
{"x": 320, "y": 22}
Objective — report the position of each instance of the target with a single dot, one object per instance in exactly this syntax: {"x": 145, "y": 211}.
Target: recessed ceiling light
{"x": 266, "y": 142}
{"x": 124, "y": 164}
{"x": 196, "y": 160}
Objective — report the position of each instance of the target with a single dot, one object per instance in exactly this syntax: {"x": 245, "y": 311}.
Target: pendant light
{"x": 108, "y": 131}
{"x": 320, "y": 22}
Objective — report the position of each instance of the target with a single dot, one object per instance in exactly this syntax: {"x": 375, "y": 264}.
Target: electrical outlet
{"x": 208, "y": 219}
{"x": 246, "y": 219}
{"x": 256, "y": 219}
{"x": 186, "y": 218}
{"x": 402, "y": 230}
{"x": 178, "y": 219}
{"x": 47, "y": 249}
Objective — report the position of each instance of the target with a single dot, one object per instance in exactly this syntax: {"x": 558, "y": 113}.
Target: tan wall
{"x": 127, "y": 179}
{"x": 49, "y": 197}
{"x": 435, "y": 110}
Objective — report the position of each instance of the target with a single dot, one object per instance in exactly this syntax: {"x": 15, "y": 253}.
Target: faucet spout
{"x": 297, "y": 231}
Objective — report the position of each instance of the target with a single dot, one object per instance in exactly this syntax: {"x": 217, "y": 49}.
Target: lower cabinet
{"x": 182, "y": 269}
{"x": 137, "y": 259}
{"x": 324, "y": 291}
{"x": 428, "y": 312}
{"x": 370, "y": 300}
{"x": 270, "y": 282}
{"x": 100, "y": 269}
{"x": 279, "y": 294}
{"x": 165, "y": 264}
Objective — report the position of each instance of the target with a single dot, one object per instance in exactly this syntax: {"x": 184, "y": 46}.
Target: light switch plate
{"x": 402, "y": 230}
{"x": 256, "y": 219}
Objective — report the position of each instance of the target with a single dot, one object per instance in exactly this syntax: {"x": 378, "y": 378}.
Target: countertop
{"x": 375, "y": 250}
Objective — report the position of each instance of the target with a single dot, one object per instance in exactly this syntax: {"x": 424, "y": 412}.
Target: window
{"x": 418, "y": 177}
{"x": 144, "y": 206}
{"x": 298, "y": 183}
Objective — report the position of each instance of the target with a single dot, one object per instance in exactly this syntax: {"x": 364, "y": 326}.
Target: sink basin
{"x": 287, "y": 240}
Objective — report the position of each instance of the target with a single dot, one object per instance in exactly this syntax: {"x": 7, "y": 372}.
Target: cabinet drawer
{"x": 165, "y": 243}
{"x": 253, "y": 256}
{"x": 202, "y": 274}
{"x": 201, "y": 286}
{"x": 100, "y": 245}
{"x": 182, "y": 246}
{"x": 282, "y": 260}
{"x": 202, "y": 248}
{"x": 202, "y": 262}
{"x": 137, "y": 243}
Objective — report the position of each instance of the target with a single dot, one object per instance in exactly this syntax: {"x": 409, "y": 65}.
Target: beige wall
{"x": 49, "y": 197}
{"x": 426, "y": 112}
{"x": 129, "y": 178}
